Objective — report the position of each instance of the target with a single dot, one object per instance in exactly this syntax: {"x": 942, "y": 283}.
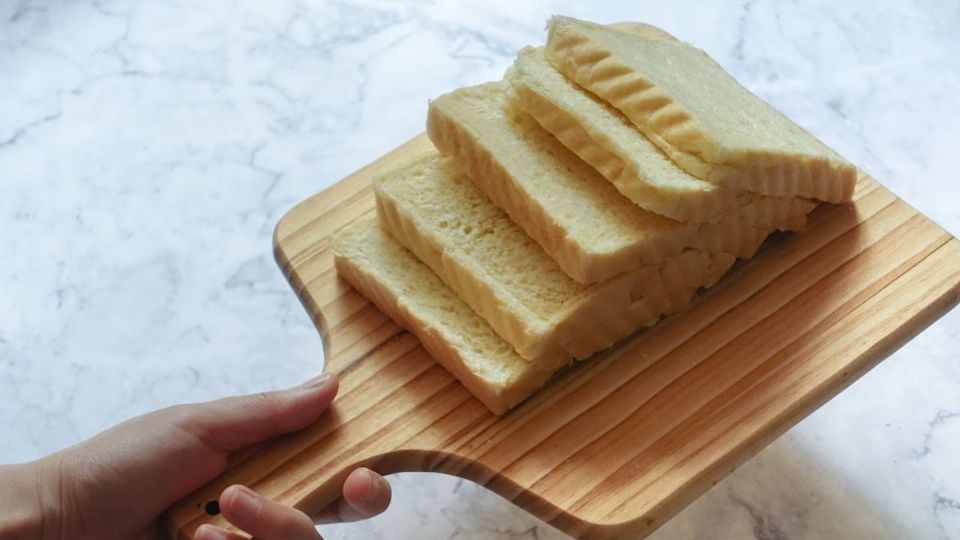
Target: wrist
{"x": 30, "y": 505}
{"x": 21, "y": 505}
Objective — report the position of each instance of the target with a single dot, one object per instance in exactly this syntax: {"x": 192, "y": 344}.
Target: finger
{"x": 158, "y": 458}
{"x": 263, "y": 518}
{"x": 237, "y": 422}
{"x": 365, "y": 494}
{"x": 210, "y": 532}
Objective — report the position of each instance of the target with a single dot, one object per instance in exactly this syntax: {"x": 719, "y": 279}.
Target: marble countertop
{"x": 147, "y": 150}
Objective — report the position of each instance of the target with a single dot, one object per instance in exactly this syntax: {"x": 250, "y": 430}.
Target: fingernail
{"x": 209, "y": 532}
{"x": 246, "y": 502}
{"x": 373, "y": 486}
{"x": 319, "y": 380}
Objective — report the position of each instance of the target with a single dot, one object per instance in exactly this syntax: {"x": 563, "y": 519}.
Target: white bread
{"x": 457, "y": 338}
{"x": 740, "y": 241}
{"x": 686, "y": 104}
{"x": 578, "y": 218}
{"x": 606, "y": 140}
{"x": 433, "y": 209}
{"x": 409, "y": 293}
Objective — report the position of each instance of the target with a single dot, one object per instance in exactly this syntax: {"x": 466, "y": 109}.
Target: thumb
{"x": 234, "y": 423}
{"x": 156, "y": 459}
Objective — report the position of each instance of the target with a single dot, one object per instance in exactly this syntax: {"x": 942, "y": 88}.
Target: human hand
{"x": 117, "y": 484}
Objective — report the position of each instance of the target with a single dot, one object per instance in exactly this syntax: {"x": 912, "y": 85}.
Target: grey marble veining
{"x": 147, "y": 149}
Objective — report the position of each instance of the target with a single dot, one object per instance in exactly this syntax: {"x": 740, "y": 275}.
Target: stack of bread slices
{"x": 594, "y": 190}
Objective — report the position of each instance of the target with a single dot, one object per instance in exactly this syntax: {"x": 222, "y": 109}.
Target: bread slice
{"x": 434, "y": 210}
{"x": 741, "y": 240}
{"x": 697, "y": 113}
{"x": 578, "y": 218}
{"x": 409, "y": 293}
{"x": 602, "y": 137}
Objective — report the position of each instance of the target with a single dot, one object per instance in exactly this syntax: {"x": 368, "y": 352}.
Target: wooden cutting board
{"x": 617, "y": 445}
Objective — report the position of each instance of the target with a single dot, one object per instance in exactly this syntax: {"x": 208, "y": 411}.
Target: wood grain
{"x": 622, "y": 442}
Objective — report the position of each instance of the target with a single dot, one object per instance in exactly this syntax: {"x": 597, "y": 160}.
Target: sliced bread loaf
{"x": 577, "y": 217}
{"x": 605, "y": 139}
{"x": 690, "y": 107}
{"x": 409, "y": 293}
{"x": 434, "y": 210}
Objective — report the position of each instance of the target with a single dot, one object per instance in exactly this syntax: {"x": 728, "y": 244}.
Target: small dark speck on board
{"x": 212, "y": 507}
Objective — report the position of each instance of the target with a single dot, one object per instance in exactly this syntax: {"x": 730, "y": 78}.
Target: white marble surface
{"x": 147, "y": 149}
